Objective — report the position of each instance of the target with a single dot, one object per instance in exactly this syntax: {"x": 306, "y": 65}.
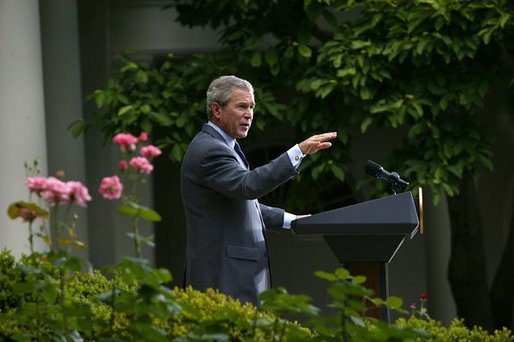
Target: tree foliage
{"x": 425, "y": 66}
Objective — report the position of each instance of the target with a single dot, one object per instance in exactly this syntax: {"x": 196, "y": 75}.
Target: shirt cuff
{"x": 288, "y": 218}
{"x": 295, "y": 155}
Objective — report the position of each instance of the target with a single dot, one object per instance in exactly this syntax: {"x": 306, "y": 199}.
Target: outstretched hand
{"x": 317, "y": 142}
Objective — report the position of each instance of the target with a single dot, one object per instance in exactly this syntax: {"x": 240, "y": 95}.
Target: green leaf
{"x": 418, "y": 109}
{"x": 337, "y": 171}
{"x": 338, "y": 292}
{"x": 486, "y": 161}
{"x": 359, "y": 280}
{"x": 504, "y": 18}
{"x": 176, "y": 153}
{"x": 26, "y": 287}
{"x": 271, "y": 57}
{"x": 457, "y": 169}
{"x": 77, "y": 127}
{"x": 275, "y": 69}
{"x": 420, "y": 47}
{"x": 394, "y": 302}
{"x": 100, "y": 98}
{"x": 483, "y": 88}
{"x": 439, "y": 23}
{"x": 145, "y": 108}
{"x": 124, "y": 110}
{"x": 26, "y": 209}
{"x": 256, "y": 59}
{"x": 359, "y": 44}
{"x": 162, "y": 119}
{"x": 326, "y": 90}
{"x": 326, "y": 275}
{"x": 142, "y": 76}
{"x": 365, "y": 124}
{"x": 342, "y": 273}
{"x": 134, "y": 209}
{"x": 365, "y": 93}
{"x": 449, "y": 189}
{"x": 304, "y": 50}
{"x": 128, "y": 66}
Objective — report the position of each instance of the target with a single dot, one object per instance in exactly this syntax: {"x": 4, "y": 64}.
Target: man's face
{"x": 235, "y": 118}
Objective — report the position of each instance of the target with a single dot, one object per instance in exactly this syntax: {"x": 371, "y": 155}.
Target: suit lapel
{"x": 215, "y": 134}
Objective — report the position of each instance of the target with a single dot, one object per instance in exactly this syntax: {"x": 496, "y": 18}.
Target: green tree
{"x": 425, "y": 66}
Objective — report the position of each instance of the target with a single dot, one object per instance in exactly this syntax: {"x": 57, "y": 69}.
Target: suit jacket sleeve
{"x": 273, "y": 217}
{"x": 223, "y": 173}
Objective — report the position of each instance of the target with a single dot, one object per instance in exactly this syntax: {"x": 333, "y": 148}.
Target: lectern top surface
{"x": 391, "y": 215}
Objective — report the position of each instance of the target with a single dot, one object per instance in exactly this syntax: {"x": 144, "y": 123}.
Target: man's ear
{"x": 216, "y": 109}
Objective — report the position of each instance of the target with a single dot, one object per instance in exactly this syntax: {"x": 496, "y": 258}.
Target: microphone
{"x": 375, "y": 170}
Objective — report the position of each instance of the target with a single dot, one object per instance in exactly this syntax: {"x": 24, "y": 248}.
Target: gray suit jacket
{"x": 226, "y": 246}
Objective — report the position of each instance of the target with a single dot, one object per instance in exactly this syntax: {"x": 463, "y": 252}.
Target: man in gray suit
{"x": 226, "y": 243}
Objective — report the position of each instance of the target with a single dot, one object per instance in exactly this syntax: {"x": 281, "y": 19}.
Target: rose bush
{"x": 51, "y": 193}
{"x": 135, "y": 165}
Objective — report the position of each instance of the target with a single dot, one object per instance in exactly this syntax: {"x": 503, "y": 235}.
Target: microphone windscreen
{"x": 372, "y": 168}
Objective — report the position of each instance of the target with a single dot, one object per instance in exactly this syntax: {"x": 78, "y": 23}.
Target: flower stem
{"x": 135, "y": 230}
{"x": 31, "y": 238}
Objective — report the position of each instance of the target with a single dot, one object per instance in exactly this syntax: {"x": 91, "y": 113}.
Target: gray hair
{"x": 220, "y": 90}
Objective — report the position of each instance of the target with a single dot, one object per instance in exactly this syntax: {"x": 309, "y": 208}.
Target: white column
{"x": 63, "y": 97}
{"x": 22, "y": 116}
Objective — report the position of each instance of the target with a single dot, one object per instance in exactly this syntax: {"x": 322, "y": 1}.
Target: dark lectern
{"x": 365, "y": 237}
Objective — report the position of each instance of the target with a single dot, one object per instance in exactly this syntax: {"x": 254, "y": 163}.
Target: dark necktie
{"x": 241, "y": 154}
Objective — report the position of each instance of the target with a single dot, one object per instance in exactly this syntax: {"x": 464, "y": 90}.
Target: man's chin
{"x": 242, "y": 135}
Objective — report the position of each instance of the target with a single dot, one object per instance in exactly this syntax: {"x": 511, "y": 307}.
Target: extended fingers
{"x": 325, "y": 136}
{"x": 317, "y": 142}
{"x": 323, "y": 145}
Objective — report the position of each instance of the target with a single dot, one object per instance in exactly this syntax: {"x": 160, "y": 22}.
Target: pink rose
{"x": 126, "y": 141}
{"x": 141, "y": 164}
{"x": 36, "y": 184}
{"x": 111, "y": 188}
{"x": 150, "y": 151}
{"x": 123, "y": 165}
{"x": 78, "y": 193}
{"x": 55, "y": 191}
{"x": 143, "y": 136}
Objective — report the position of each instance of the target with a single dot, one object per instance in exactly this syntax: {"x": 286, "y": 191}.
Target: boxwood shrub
{"x": 56, "y": 296}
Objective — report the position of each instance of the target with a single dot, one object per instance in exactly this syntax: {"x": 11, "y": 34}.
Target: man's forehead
{"x": 242, "y": 95}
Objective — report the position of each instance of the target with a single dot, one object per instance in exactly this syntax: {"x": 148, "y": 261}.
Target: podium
{"x": 364, "y": 237}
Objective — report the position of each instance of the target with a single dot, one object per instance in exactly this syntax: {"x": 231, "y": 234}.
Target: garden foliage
{"x": 56, "y": 296}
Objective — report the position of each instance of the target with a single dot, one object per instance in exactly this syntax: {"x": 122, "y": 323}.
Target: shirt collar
{"x": 228, "y": 139}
